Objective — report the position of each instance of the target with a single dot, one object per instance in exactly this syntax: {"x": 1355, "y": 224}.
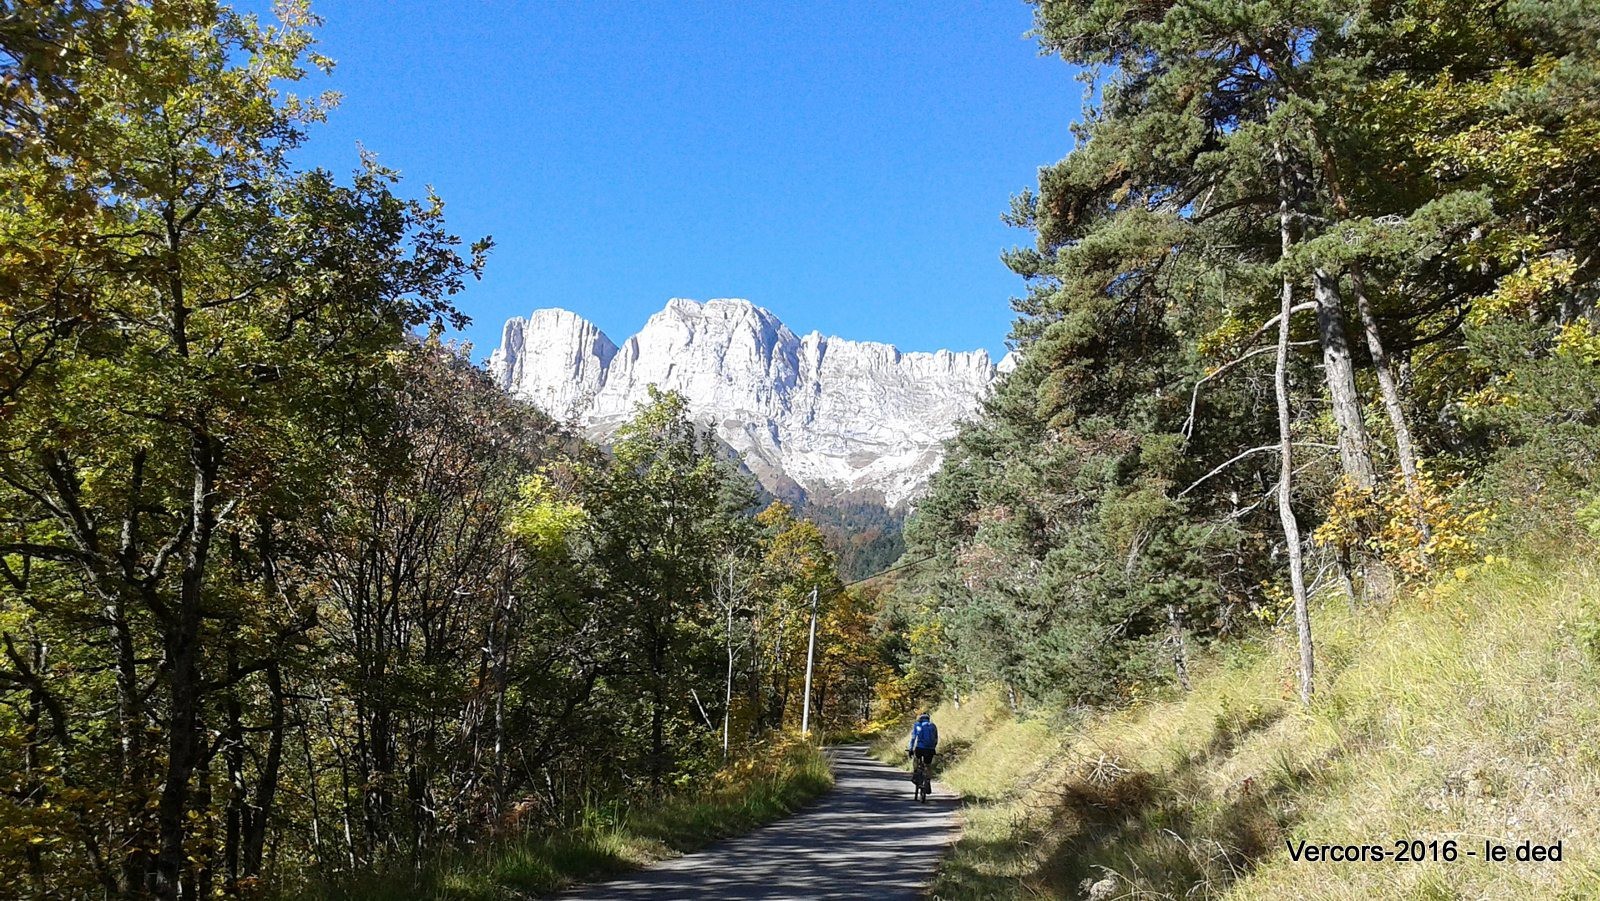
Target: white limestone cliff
{"x": 554, "y": 359}
{"x": 824, "y": 413}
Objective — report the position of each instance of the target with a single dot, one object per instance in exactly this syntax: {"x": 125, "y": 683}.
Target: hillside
{"x": 1465, "y": 711}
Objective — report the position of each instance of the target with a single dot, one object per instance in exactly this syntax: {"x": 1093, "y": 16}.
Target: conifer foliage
{"x": 1306, "y": 300}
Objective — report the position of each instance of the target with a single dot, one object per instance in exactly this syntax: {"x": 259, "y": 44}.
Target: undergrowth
{"x": 1467, "y": 710}
{"x": 606, "y": 840}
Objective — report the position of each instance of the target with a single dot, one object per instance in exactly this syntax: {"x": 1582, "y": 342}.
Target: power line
{"x": 895, "y": 568}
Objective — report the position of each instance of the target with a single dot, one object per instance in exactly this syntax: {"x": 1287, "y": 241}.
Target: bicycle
{"x": 920, "y": 781}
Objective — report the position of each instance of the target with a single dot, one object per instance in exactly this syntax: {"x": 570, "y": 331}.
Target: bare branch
{"x": 1254, "y": 450}
{"x": 1194, "y": 396}
{"x": 50, "y": 552}
{"x": 25, "y": 676}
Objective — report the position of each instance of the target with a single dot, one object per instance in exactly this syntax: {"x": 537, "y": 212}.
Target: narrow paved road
{"x": 865, "y": 839}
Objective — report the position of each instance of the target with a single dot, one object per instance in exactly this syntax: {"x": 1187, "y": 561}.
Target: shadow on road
{"x": 865, "y": 839}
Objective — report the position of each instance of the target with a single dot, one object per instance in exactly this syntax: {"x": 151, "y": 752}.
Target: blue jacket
{"x": 924, "y": 736}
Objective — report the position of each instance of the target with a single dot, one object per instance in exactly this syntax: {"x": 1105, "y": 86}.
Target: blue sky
{"x": 844, "y": 164}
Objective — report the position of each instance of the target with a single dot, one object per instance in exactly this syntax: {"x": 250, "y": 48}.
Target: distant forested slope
{"x": 865, "y": 536}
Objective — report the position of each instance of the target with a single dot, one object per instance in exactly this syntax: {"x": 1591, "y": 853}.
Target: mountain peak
{"x": 824, "y": 413}
{"x": 558, "y": 358}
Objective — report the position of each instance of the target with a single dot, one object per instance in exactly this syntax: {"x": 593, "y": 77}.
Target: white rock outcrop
{"x": 554, "y": 359}
{"x": 824, "y": 413}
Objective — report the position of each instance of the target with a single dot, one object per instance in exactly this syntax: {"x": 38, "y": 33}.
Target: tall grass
{"x": 607, "y": 839}
{"x": 1468, "y": 710}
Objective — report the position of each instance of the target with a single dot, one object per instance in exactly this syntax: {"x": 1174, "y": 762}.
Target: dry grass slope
{"x": 1466, "y": 711}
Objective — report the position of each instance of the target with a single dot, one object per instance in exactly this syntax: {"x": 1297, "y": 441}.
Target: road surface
{"x": 866, "y": 838}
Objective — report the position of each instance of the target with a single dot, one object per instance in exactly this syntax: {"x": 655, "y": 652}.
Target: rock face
{"x": 824, "y": 414}
{"x": 554, "y": 359}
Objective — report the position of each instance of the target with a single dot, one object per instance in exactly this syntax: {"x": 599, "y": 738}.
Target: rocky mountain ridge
{"x": 818, "y": 414}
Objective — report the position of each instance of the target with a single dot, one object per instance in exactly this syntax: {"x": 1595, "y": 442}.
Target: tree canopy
{"x": 1400, "y": 189}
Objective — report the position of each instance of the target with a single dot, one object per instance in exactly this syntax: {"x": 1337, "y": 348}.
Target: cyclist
{"x": 924, "y": 741}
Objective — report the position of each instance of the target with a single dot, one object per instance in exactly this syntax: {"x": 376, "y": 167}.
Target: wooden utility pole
{"x": 727, "y": 698}
{"x": 811, "y": 652}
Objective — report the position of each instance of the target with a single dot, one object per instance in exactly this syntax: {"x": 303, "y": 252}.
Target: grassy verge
{"x": 1467, "y": 712}
{"x": 752, "y": 792}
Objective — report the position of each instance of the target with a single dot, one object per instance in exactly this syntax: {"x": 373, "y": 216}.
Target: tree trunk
{"x": 778, "y": 703}
{"x": 658, "y": 741}
{"x": 658, "y": 711}
{"x": 1388, "y": 385}
{"x": 753, "y": 682}
{"x": 1355, "y": 453}
{"x": 1291, "y": 528}
{"x": 1389, "y": 388}
{"x": 259, "y": 816}
{"x": 135, "y": 763}
{"x": 233, "y": 760}
{"x": 33, "y": 791}
{"x": 311, "y": 773}
{"x": 184, "y": 739}
{"x": 1180, "y": 648}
